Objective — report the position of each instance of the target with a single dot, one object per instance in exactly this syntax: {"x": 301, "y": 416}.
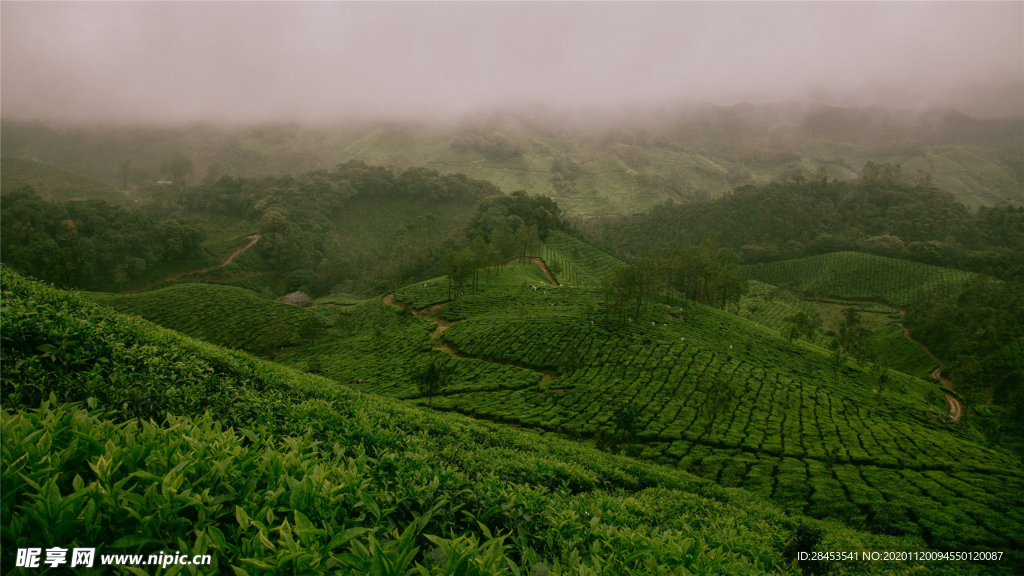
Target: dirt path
{"x": 433, "y": 314}
{"x": 226, "y": 259}
{"x": 540, "y": 263}
{"x": 955, "y": 408}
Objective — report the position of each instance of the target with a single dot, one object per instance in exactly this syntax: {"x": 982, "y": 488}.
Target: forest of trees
{"x": 504, "y": 228}
{"x": 708, "y": 274}
{"x": 803, "y": 217}
{"x": 89, "y": 244}
{"x": 967, "y": 327}
{"x": 93, "y": 245}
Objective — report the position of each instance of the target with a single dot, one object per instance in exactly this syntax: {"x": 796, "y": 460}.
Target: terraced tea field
{"x": 223, "y": 315}
{"x": 713, "y": 394}
{"x": 861, "y": 276}
{"x": 902, "y": 353}
{"x": 771, "y": 306}
{"x": 254, "y": 442}
{"x": 581, "y": 262}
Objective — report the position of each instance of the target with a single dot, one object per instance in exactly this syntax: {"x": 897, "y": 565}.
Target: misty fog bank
{"x": 582, "y": 64}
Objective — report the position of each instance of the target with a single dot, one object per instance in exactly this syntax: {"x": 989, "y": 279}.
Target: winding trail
{"x": 955, "y": 408}
{"x": 226, "y": 259}
{"x": 433, "y": 314}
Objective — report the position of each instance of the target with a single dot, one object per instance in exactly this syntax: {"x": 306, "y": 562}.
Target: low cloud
{"x": 319, "y": 62}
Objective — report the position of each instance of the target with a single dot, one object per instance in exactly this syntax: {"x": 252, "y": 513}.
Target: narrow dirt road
{"x": 955, "y": 408}
{"x": 433, "y": 314}
{"x": 225, "y": 259}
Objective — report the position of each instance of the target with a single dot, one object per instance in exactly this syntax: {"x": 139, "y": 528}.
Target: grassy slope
{"x": 309, "y": 461}
{"x": 827, "y": 449}
{"x": 364, "y": 228}
{"x": 224, "y": 315}
{"x": 860, "y": 276}
{"x": 961, "y": 171}
{"x": 55, "y": 184}
{"x": 765, "y": 305}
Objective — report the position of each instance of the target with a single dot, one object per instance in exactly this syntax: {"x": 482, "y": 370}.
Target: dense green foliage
{"x": 963, "y": 318}
{"x": 291, "y": 473}
{"x": 303, "y": 222}
{"x": 900, "y": 352}
{"x": 355, "y": 229}
{"x": 228, "y": 316}
{"x": 983, "y": 320}
{"x": 684, "y": 419}
{"x": 505, "y": 215}
{"x": 984, "y": 317}
{"x": 876, "y": 214}
{"x": 90, "y": 244}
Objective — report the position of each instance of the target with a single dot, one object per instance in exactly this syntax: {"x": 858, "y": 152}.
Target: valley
{"x": 512, "y": 288}
{"x": 432, "y": 316}
{"x": 706, "y": 391}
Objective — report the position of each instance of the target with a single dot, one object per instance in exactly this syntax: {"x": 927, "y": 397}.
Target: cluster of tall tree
{"x": 967, "y": 327}
{"x": 708, "y": 274}
{"x": 326, "y": 192}
{"x": 89, "y": 244}
{"x": 801, "y": 217}
{"x": 504, "y": 228}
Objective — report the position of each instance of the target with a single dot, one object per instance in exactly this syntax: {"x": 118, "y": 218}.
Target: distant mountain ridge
{"x": 700, "y": 152}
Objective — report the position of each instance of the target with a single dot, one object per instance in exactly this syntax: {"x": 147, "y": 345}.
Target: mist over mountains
{"x": 605, "y": 165}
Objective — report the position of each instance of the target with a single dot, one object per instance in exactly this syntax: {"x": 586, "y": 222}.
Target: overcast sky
{"x": 285, "y": 61}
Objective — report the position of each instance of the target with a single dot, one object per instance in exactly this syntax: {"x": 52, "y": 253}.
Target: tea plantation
{"x": 857, "y": 275}
{"x": 133, "y": 438}
{"x": 581, "y": 262}
{"x": 229, "y": 316}
{"x": 713, "y": 394}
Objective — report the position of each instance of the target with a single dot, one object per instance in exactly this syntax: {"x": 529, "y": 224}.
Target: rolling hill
{"x": 224, "y": 315}
{"x": 854, "y": 275}
{"x": 286, "y": 471}
{"x": 711, "y": 393}
{"x": 624, "y": 168}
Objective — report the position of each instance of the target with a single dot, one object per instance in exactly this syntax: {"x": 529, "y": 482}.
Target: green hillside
{"x": 274, "y": 471}
{"x": 579, "y": 262}
{"x": 902, "y": 353}
{"x": 709, "y": 393}
{"x": 223, "y": 315}
{"x": 55, "y": 184}
{"x": 773, "y": 307}
{"x": 1011, "y": 356}
{"x": 862, "y": 276}
{"x": 703, "y": 152}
